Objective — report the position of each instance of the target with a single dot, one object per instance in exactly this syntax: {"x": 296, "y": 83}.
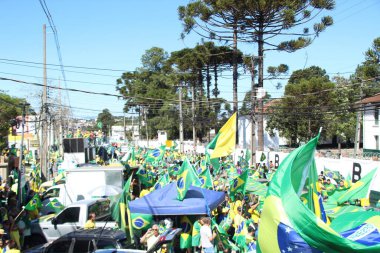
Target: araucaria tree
{"x": 258, "y": 21}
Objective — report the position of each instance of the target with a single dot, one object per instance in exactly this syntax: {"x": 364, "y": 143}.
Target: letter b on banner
{"x": 276, "y": 160}
{"x": 356, "y": 172}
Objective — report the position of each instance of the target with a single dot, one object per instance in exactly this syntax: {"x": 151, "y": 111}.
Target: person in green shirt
{"x": 330, "y": 187}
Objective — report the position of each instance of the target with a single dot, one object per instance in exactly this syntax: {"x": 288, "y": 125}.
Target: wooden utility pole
{"x": 253, "y": 116}
{"x": 44, "y": 138}
{"x": 358, "y": 124}
{"x": 193, "y": 117}
{"x": 181, "y": 147}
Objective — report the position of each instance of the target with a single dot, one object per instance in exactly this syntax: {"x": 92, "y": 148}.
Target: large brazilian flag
{"x": 287, "y": 225}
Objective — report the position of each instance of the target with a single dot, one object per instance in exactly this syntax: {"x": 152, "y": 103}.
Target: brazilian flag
{"x": 141, "y": 221}
{"x": 238, "y": 185}
{"x": 174, "y": 170}
{"x": 206, "y": 179}
{"x": 56, "y": 205}
{"x": 155, "y": 155}
{"x": 286, "y": 222}
{"x": 222, "y": 236}
{"x": 262, "y": 157}
{"x": 187, "y": 228}
{"x": 34, "y": 203}
{"x": 214, "y": 162}
{"x": 162, "y": 181}
{"x": 145, "y": 176}
{"x": 186, "y": 178}
{"x": 240, "y": 234}
{"x": 196, "y": 236}
{"x": 118, "y": 213}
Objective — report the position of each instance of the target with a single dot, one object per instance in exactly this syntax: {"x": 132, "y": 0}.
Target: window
{"x": 106, "y": 244}
{"x": 101, "y": 209}
{"x": 52, "y": 193}
{"x": 377, "y": 142}
{"x": 60, "y": 247}
{"x": 82, "y": 246}
{"x": 376, "y": 116}
{"x": 68, "y": 215}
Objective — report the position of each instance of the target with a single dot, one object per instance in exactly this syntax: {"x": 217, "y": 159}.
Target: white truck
{"x": 73, "y": 217}
{"x": 85, "y": 183}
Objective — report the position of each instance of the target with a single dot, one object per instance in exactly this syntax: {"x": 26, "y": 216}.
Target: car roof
{"x": 88, "y": 201}
{"x": 103, "y": 233}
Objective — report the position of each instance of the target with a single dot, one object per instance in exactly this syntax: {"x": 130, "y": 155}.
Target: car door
{"x": 60, "y": 246}
{"x": 82, "y": 245}
{"x": 65, "y": 222}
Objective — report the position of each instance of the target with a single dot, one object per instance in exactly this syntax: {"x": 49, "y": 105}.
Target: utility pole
{"x": 193, "y": 117}
{"x": 358, "y": 123}
{"x": 253, "y": 116}
{"x": 44, "y": 144}
{"x": 146, "y": 127}
{"x": 125, "y": 135}
{"x": 181, "y": 147}
{"x": 21, "y": 169}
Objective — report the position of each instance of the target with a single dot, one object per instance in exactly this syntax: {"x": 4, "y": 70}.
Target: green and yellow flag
{"x": 56, "y": 205}
{"x": 119, "y": 211}
{"x": 196, "y": 236}
{"x": 186, "y": 178}
{"x": 141, "y": 221}
{"x": 288, "y": 225}
{"x": 34, "y": 203}
{"x": 187, "y": 228}
{"x": 359, "y": 189}
{"x": 238, "y": 185}
{"x": 206, "y": 179}
{"x": 223, "y": 143}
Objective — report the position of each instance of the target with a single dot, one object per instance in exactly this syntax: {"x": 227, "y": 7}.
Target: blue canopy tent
{"x": 164, "y": 201}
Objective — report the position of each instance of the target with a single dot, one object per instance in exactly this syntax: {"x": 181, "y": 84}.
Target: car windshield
{"x": 125, "y": 244}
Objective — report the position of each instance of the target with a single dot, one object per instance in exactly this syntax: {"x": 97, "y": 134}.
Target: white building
{"x": 371, "y": 127}
{"x": 271, "y": 143}
{"x": 117, "y": 132}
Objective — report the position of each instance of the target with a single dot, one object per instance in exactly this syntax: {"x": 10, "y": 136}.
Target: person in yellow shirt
{"x": 90, "y": 224}
{"x": 238, "y": 217}
{"x": 255, "y": 215}
{"x": 12, "y": 247}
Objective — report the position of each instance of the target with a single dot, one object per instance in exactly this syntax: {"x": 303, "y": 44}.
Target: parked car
{"x": 103, "y": 240}
{"x": 169, "y": 238}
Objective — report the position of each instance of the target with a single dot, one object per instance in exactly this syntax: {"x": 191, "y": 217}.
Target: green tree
{"x": 107, "y": 120}
{"x": 9, "y": 110}
{"x": 150, "y": 91}
{"x": 367, "y": 75}
{"x": 261, "y": 22}
{"x": 307, "y": 105}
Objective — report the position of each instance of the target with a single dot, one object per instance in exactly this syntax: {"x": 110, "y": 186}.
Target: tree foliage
{"x": 9, "y": 109}
{"x": 261, "y": 22}
{"x": 367, "y": 75}
{"x": 308, "y": 104}
{"x": 107, "y": 120}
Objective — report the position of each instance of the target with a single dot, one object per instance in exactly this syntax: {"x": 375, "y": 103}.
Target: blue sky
{"x": 114, "y": 34}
